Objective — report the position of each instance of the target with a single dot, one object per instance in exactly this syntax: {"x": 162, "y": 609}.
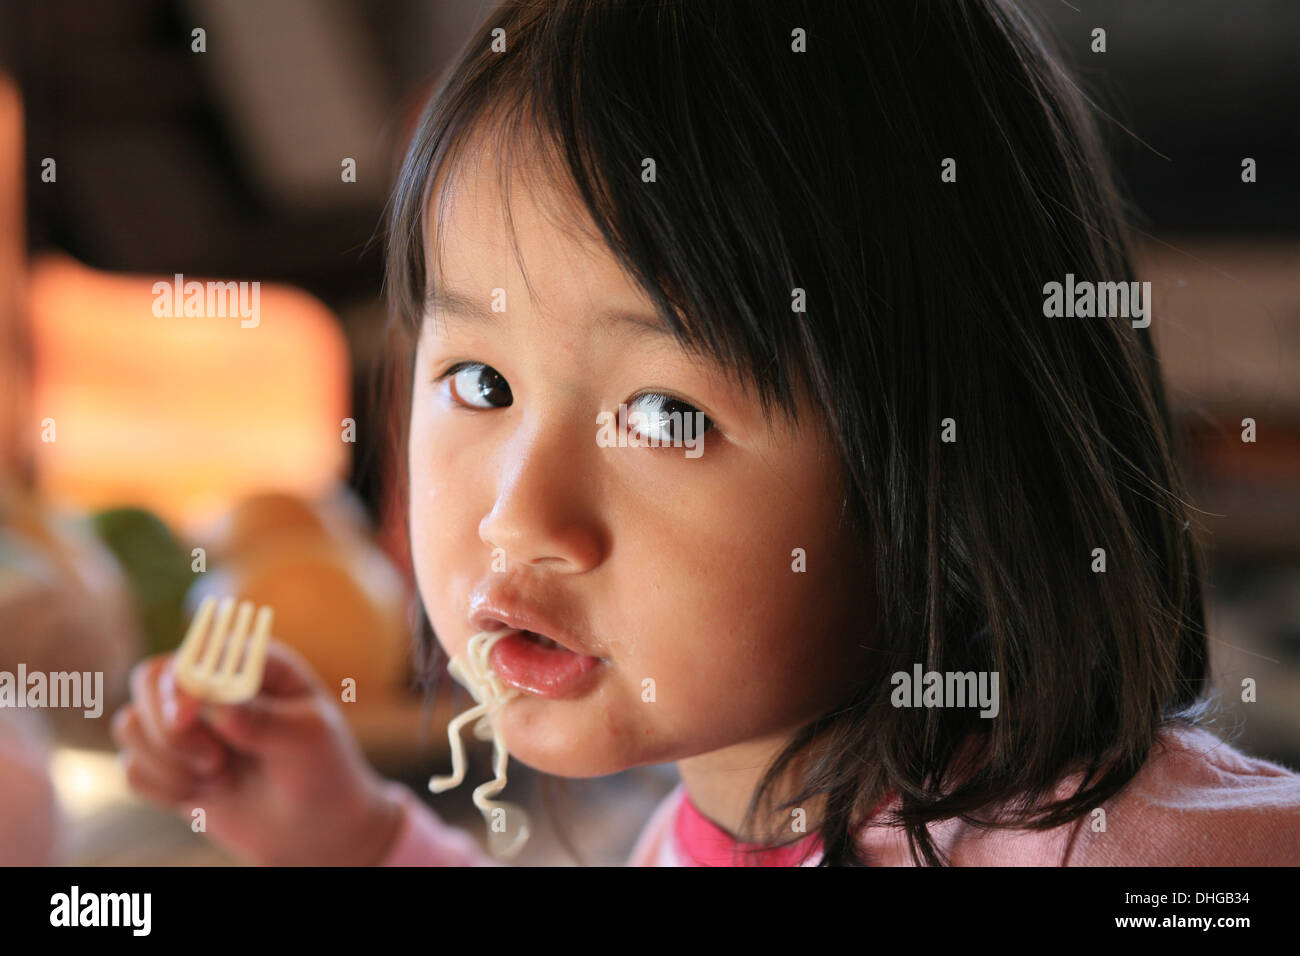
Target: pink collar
{"x": 707, "y": 844}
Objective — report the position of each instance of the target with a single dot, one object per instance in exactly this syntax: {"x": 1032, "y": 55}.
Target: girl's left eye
{"x": 478, "y": 386}
{"x": 668, "y": 420}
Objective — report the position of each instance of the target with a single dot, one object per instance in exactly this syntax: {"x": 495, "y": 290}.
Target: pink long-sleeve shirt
{"x": 1196, "y": 802}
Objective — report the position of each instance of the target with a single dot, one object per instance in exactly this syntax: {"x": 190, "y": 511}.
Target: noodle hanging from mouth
{"x": 490, "y": 697}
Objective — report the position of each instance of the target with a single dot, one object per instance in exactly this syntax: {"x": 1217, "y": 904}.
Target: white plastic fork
{"x": 233, "y": 661}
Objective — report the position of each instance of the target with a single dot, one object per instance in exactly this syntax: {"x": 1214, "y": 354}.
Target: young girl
{"x": 735, "y": 378}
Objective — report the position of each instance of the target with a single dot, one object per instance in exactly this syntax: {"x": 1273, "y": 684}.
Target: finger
{"x": 180, "y": 710}
{"x": 288, "y": 673}
{"x": 179, "y": 735}
{"x": 146, "y": 698}
{"x": 154, "y": 785}
{"x": 183, "y": 720}
{"x": 270, "y": 727}
{"x": 128, "y": 733}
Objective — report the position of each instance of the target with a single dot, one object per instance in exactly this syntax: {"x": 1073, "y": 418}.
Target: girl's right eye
{"x": 476, "y": 385}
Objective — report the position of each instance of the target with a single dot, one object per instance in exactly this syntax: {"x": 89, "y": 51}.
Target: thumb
{"x": 268, "y": 726}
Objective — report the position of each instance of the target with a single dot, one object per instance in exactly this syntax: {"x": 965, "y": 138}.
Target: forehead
{"x": 500, "y": 216}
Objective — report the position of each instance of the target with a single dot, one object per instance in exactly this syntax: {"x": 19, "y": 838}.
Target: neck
{"x": 720, "y": 784}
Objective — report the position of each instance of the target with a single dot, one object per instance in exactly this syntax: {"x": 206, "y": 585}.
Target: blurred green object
{"x": 157, "y": 566}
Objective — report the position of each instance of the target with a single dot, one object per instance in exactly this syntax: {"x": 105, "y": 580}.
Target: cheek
{"x": 443, "y": 530}
{"x": 790, "y": 599}
{"x": 424, "y": 490}
{"x": 441, "y": 463}
{"x": 739, "y": 625}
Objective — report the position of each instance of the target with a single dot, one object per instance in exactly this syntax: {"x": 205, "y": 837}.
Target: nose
{"x": 542, "y": 515}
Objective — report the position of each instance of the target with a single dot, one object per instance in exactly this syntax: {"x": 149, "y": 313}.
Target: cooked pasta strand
{"x": 490, "y": 697}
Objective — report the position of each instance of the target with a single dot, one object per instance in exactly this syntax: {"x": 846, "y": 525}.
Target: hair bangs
{"x": 576, "y": 107}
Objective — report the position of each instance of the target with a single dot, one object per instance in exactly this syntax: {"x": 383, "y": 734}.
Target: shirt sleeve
{"x": 423, "y": 839}
{"x": 1198, "y": 801}
{"x": 1201, "y": 802}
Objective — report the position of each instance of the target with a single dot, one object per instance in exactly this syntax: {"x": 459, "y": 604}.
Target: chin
{"x": 544, "y": 741}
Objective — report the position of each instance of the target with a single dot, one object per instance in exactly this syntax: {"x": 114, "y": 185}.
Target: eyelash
{"x": 709, "y": 425}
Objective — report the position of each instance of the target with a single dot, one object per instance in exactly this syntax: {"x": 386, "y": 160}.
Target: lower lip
{"x": 554, "y": 672}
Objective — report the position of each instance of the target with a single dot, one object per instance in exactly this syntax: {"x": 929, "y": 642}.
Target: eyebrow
{"x": 456, "y": 305}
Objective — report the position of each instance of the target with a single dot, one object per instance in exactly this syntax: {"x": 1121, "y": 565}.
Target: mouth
{"x": 543, "y": 641}
{"x": 536, "y": 664}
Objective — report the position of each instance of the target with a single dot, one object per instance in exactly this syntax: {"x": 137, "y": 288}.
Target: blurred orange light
{"x": 179, "y": 414}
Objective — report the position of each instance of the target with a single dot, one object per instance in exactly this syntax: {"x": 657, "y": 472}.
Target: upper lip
{"x": 497, "y": 613}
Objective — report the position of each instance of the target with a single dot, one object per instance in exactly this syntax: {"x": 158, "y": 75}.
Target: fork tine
{"x": 193, "y": 641}
{"x": 216, "y": 640}
{"x": 249, "y": 680}
{"x": 235, "y": 642}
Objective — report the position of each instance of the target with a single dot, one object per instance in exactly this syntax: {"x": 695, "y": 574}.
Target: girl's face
{"x": 675, "y": 566}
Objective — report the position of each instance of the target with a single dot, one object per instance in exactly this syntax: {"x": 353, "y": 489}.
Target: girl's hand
{"x": 280, "y": 779}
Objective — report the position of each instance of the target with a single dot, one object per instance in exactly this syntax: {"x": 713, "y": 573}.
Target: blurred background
{"x": 143, "y": 468}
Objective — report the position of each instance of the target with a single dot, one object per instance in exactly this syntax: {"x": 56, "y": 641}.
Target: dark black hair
{"x": 801, "y": 145}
